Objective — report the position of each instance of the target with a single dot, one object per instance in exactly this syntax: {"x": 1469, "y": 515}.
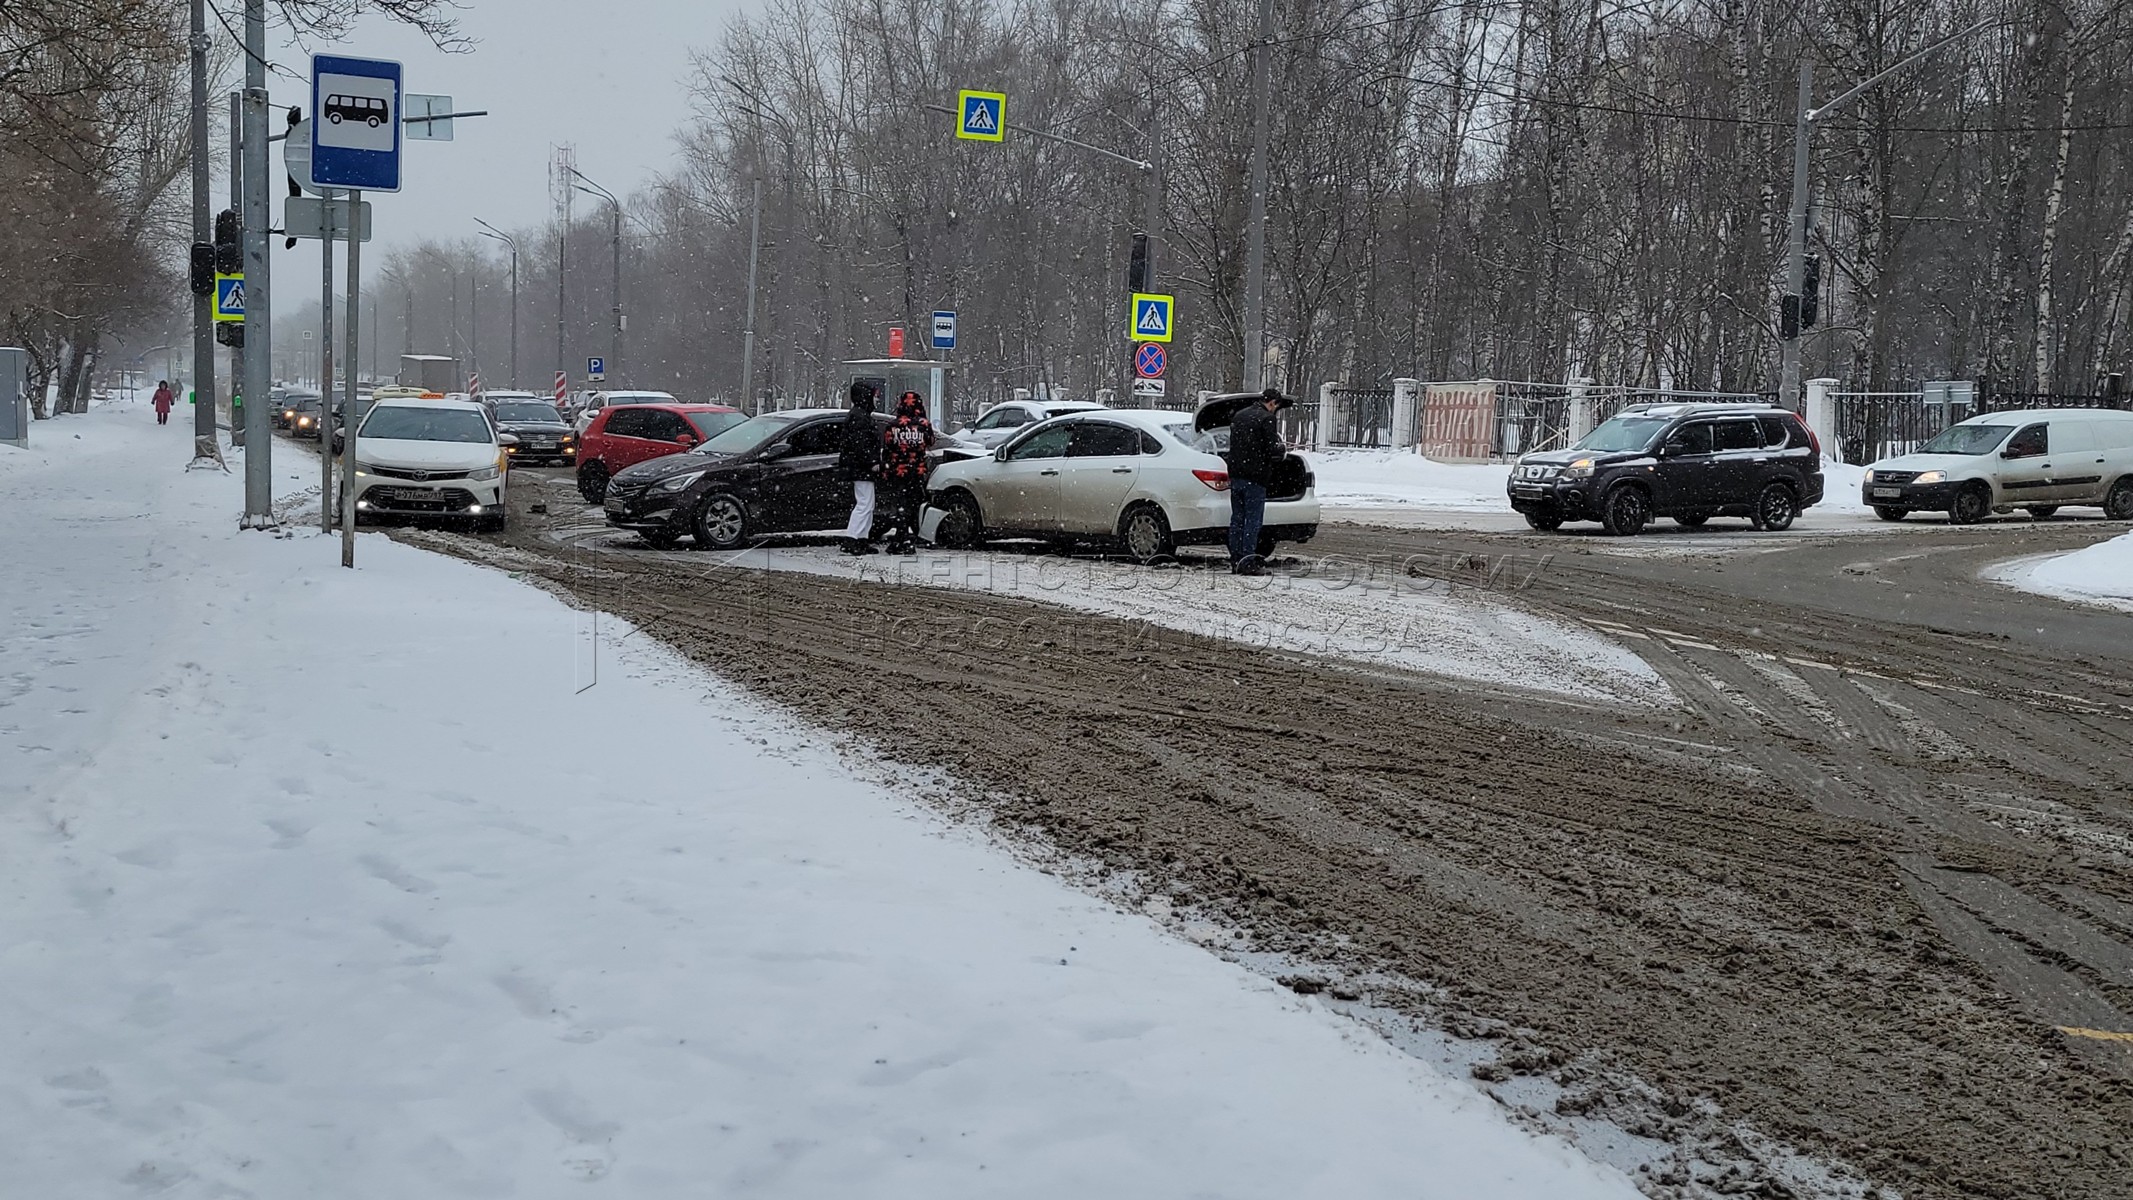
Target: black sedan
{"x": 776, "y": 473}
{"x": 543, "y": 435}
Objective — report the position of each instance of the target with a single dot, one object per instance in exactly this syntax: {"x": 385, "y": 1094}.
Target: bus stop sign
{"x": 355, "y": 123}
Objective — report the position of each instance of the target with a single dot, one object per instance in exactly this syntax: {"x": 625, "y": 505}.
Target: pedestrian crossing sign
{"x": 982, "y": 116}
{"x": 229, "y": 297}
{"x": 1149, "y": 320}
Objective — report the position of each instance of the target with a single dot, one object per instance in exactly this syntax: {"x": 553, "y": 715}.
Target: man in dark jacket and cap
{"x": 904, "y": 468}
{"x": 858, "y": 462}
{"x": 1255, "y": 458}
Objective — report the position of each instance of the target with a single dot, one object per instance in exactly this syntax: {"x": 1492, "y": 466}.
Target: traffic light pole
{"x": 237, "y": 426}
{"x": 203, "y": 384}
{"x": 258, "y": 301}
{"x": 326, "y": 504}
{"x": 350, "y": 417}
{"x": 1255, "y": 243}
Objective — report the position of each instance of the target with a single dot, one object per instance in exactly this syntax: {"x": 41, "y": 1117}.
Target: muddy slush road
{"x": 1854, "y": 890}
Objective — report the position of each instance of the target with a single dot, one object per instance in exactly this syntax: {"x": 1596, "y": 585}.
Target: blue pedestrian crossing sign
{"x": 229, "y": 297}
{"x": 981, "y": 116}
{"x": 1149, "y": 320}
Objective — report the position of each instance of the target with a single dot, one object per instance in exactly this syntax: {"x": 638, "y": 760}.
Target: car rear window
{"x": 711, "y": 424}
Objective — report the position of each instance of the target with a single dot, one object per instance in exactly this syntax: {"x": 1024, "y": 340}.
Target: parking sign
{"x": 355, "y": 123}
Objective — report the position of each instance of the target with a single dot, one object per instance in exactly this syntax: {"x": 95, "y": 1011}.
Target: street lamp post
{"x": 1796, "y": 233}
{"x": 615, "y": 206}
{"x": 492, "y": 232}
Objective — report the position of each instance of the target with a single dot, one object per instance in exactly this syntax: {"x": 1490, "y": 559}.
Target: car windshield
{"x": 1634, "y": 432}
{"x": 710, "y": 424}
{"x": 1967, "y": 439}
{"x": 409, "y": 424}
{"x": 750, "y": 434}
{"x": 528, "y": 410}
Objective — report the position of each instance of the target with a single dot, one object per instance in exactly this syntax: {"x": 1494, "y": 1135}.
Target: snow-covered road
{"x": 334, "y": 883}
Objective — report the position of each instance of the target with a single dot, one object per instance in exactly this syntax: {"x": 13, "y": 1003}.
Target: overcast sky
{"x": 606, "y": 75}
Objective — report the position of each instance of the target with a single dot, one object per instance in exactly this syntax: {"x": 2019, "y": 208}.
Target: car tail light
{"x": 1218, "y": 480}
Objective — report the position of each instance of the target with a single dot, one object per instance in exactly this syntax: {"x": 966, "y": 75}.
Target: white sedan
{"x": 421, "y": 457}
{"x": 1002, "y": 421}
{"x": 1140, "y": 479}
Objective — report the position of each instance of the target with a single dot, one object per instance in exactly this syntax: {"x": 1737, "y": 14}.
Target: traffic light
{"x": 1137, "y": 272}
{"x": 1789, "y": 317}
{"x": 229, "y": 243}
{"x": 1811, "y": 293}
{"x": 203, "y": 275}
{"x": 230, "y": 333}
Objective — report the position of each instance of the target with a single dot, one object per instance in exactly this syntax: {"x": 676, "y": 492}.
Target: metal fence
{"x": 2003, "y": 401}
{"x": 1877, "y": 425}
{"x": 1525, "y": 416}
{"x": 1361, "y": 417}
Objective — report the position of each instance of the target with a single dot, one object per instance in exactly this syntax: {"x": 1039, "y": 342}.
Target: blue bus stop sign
{"x": 355, "y": 123}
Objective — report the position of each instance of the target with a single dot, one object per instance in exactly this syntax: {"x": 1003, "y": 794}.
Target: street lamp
{"x": 494, "y": 234}
{"x": 590, "y": 188}
{"x": 1796, "y": 235}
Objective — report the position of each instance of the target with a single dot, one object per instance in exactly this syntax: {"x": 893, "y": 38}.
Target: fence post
{"x": 1821, "y": 416}
{"x": 1580, "y": 414}
{"x": 1321, "y": 433}
{"x": 1406, "y": 395}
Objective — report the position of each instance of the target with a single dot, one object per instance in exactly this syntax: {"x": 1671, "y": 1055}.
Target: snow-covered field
{"x": 333, "y": 883}
{"x": 2098, "y": 574}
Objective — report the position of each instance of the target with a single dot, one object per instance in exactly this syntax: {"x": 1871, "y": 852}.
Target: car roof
{"x": 655, "y": 397}
{"x": 427, "y": 402}
{"x": 2023, "y": 416}
{"x": 1061, "y": 405}
{"x": 1754, "y": 408}
{"x": 1139, "y": 418}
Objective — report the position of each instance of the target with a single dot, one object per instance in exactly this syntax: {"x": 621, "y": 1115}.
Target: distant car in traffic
{"x": 543, "y": 435}
{"x": 1690, "y": 462}
{"x": 1146, "y": 481}
{"x": 418, "y": 456}
{"x": 776, "y": 473}
{"x": 1002, "y": 421}
{"x": 593, "y": 403}
{"x": 622, "y": 435}
{"x": 305, "y": 416}
{"x": 2039, "y": 460}
{"x": 285, "y": 401}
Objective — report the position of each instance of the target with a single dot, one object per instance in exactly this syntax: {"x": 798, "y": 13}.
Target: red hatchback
{"x": 623, "y": 435}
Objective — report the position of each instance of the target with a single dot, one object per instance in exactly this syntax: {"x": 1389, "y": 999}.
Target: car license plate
{"x": 1888, "y": 493}
{"x": 547, "y": 445}
{"x": 617, "y": 507}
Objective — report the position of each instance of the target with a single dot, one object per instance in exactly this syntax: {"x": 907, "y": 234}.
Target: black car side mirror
{"x": 507, "y": 440}
{"x": 775, "y": 451}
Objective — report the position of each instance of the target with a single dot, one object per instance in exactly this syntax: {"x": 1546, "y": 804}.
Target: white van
{"x": 2040, "y": 459}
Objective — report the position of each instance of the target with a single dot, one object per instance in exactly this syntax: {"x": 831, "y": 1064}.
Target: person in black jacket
{"x": 1255, "y": 458}
{"x": 858, "y": 462}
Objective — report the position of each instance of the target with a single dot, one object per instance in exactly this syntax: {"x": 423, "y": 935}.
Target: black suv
{"x": 1690, "y": 462}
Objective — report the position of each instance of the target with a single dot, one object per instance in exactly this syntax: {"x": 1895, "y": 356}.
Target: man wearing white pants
{"x": 859, "y": 461}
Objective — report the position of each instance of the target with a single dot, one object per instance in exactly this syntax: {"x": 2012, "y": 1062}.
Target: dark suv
{"x": 1690, "y": 462}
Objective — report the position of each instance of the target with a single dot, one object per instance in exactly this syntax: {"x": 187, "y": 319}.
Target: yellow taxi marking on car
{"x": 2100, "y": 1035}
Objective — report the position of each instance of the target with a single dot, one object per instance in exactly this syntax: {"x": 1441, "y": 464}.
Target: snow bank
{"x": 2098, "y": 574}
{"x": 335, "y": 883}
{"x": 1353, "y": 478}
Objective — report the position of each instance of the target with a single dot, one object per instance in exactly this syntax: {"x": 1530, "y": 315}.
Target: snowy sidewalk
{"x": 324, "y": 883}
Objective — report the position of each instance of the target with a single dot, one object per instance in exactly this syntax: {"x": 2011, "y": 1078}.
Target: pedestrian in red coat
{"x": 163, "y": 400}
{"x": 903, "y": 469}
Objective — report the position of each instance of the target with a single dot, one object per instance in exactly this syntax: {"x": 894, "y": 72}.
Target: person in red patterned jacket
{"x": 902, "y": 480}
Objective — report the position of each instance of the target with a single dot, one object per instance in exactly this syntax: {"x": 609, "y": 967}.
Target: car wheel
{"x": 1889, "y": 512}
{"x": 1626, "y": 512}
{"x": 1145, "y": 533}
{"x": 1775, "y": 508}
{"x": 1970, "y": 505}
{"x": 2040, "y": 512}
{"x": 592, "y": 482}
{"x": 721, "y": 522}
{"x": 961, "y": 526}
{"x": 1547, "y": 522}
{"x": 1691, "y": 520}
{"x": 2118, "y": 506}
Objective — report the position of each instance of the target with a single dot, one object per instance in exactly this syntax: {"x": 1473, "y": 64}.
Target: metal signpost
{"x": 355, "y": 144}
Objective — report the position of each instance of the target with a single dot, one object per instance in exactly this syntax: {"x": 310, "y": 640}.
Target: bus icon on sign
{"x": 368, "y": 109}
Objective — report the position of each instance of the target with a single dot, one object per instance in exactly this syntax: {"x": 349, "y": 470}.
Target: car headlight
{"x": 1930, "y": 477}
{"x": 1580, "y": 469}
{"x": 484, "y": 475}
{"x": 676, "y": 483}
{"x": 364, "y": 469}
